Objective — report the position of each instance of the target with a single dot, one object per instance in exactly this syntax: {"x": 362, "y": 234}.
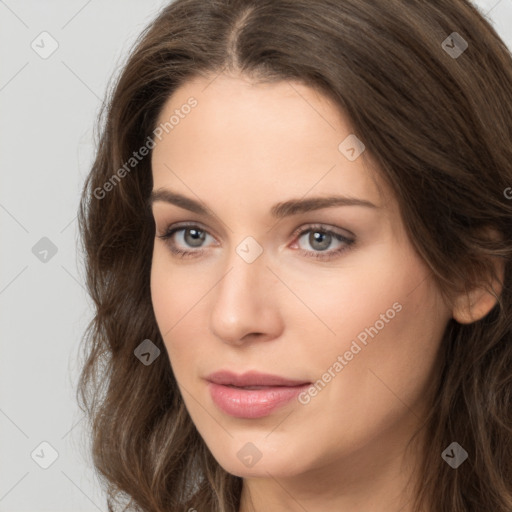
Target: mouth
{"x": 252, "y": 395}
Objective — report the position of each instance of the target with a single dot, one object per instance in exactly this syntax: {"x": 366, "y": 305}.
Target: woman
{"x": 298, "y": 240}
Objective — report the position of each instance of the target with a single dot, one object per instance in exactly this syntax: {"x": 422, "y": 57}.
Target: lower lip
{"x": 252, "y": 403}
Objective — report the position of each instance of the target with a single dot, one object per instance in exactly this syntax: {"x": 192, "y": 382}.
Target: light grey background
{"x": 48, "y": 109}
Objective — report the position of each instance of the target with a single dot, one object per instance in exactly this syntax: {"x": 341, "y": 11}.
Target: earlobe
{"x": 472, "y": 306}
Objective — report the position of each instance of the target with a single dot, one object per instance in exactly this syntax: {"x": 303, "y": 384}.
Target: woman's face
{"x": 274, "y": 283}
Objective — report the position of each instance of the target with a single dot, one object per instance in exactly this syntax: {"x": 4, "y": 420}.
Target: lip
{"x": 274, "y": 391}
{"x": 252, "y": 378}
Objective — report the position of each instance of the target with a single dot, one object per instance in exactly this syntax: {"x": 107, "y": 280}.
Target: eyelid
{"x": 323, "y": 227}
{"x": 185, "y": 224}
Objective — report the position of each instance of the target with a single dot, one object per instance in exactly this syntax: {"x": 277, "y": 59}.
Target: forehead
{"x": 258, "y": 141}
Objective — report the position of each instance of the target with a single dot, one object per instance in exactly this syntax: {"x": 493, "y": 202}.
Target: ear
{"x": 472, "y": 305}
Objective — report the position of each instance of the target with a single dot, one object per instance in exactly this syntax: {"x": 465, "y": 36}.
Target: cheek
{"x": 385, "y": 320}
{"x": 338, "y": 304}
{"x": 175, "y": 289}
{"x": 179, "y": 296}
{"x": 169, "y": 299}
{"x": 393, "y": 366}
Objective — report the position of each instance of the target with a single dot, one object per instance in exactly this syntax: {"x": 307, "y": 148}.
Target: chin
{"x": 245, "y": 460}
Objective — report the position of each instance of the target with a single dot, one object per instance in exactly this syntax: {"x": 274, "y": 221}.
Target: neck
{"x": 382, "y": 475}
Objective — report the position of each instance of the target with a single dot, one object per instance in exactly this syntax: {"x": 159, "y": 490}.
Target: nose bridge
{"x": 246, "y": 268}
{"x": 241, "y": 303}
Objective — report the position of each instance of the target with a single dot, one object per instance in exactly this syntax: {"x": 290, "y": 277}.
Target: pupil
{"x": 318, "y": 236}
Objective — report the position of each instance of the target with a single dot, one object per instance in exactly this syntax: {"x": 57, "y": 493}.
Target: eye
{"x": 190, "y": 235}
{"x": 321, "y": 239}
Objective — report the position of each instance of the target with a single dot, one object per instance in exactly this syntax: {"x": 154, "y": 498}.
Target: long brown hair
{"x": 439, "y": 126}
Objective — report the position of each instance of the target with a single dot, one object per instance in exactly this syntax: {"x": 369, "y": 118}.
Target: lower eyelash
{"x": 185, "y": 254}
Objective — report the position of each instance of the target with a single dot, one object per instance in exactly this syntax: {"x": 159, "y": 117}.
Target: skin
{"x": 244, "y": 148}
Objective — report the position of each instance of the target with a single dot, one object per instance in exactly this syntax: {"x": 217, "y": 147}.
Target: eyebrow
{"x": 279, "y": 210}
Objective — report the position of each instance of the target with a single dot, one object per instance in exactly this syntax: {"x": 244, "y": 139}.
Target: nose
{"x": 245, "y": 303}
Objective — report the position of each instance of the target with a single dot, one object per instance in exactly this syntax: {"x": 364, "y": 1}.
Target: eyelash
{"x": 319, "y": 255}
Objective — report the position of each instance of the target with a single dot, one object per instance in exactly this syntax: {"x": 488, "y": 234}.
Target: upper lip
{"x": 252, "y": 378}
